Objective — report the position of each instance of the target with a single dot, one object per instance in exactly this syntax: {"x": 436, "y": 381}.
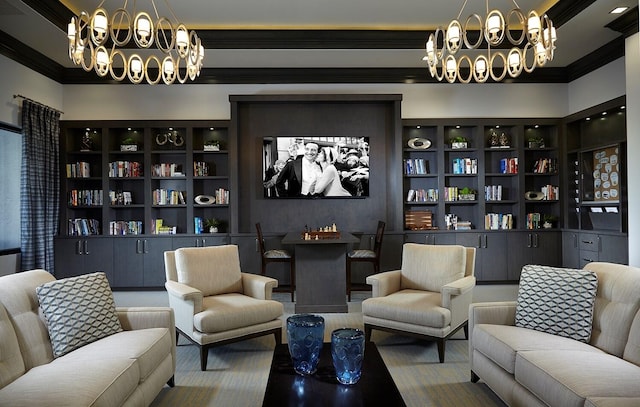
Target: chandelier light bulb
{"x": 102, "y": 59}
{"x": 168, "y": 67}
{"x": 71, "y": 29}
{"x": 182, "y": 38}
{"x": 136, "y": 66}
{"x": 529, "y": 37}
{"x": 493, "y": 24}
{"x": 143, "y": 27}
{"x": 100, "y": 23}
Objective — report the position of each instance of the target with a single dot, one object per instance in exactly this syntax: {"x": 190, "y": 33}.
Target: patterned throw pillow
{"x": 78, "y": 311}
{"x": 558, "y": 301}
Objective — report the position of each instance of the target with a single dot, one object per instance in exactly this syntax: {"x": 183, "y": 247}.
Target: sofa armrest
{"x": 184, "y": 293}
{"x": 496, "y": 313}
{"x": 132, "y": 318}
{"x": 456, "y": 297}
{"x": 257, "y": 286}
{"x": 383, "y": 284}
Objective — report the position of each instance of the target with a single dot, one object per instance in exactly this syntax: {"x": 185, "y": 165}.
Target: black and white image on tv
{"x": 315, "y": 167}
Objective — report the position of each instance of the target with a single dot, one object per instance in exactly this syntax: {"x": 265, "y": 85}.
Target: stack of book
{"x": 545, "y": 166}
{"x": 416, "y": 166}
{"x": 509, "y": 165}
{"x": 465, "y": 166}
{"x": 159, "y": 228}
{"x": 166, "y": 170}
{"x": 81, "y": 169}
{"x": 83, "y": 227}
{"x": 222, "y": 196}
{"x": 129, "y": 227}
{"x": 125, "y": 169}
{"x": 493, "y": 192}
{"x": 85, "y": 197}
{"x": 421, "y": 195}
{"x": 497, "y": 221}
{"x": 163, "y": 196}
{"x": 533, "y": 220}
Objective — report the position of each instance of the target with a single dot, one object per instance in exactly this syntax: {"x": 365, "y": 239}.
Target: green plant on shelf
{"x": 466, "y": 194}
{"x": 458, "y": 142}
{"x": 536, "y": 142}
{"x": 214, "y": 225}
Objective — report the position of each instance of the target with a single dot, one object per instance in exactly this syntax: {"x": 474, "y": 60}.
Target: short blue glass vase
{"x": 347, "y": 352}
{"x": 305, "y": 333}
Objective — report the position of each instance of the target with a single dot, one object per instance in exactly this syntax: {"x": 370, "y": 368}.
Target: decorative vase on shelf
{"x": 213, "y": 229}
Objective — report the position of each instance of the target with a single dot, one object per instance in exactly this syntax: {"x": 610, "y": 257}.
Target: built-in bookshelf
{"x": 482, "y": 174}
{"x": 122, "y": 178}
{"x": 596, "y": 218}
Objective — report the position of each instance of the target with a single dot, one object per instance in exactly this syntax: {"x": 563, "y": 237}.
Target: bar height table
{"x": 320, "y": 272}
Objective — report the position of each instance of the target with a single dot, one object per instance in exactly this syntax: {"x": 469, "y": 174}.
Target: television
{"x": 315, "y": 167}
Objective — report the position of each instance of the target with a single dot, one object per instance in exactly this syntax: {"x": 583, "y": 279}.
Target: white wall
{"x": 632, "y": 59}
{"x": 212, "y": 101}
{"x": 599, "y": 86}
{"x": 16, "y": 79}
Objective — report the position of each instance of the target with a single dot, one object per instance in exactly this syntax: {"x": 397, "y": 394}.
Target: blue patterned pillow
{"x": 558, "y": 301}
{"x": 78, "y": 310}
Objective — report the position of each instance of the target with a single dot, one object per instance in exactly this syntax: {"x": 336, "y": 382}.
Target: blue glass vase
{"x": 347, "y": 352}
{"x": 305, "y": 333}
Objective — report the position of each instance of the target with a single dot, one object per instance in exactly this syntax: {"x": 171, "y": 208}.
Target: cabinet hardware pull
{"x": 138, "y": 250}
{"x": 535, "y": 240}
{"x": 529, "y": 244}
{"x": 79, "y": 247}
{"x": 86, "y": 247}
{"x": 203, "y": 242}
{"x": 479, "y": 241}
{"x": 485, "y": 241}
{"x": 145, "y": 246}
{"x": 587, "y": 241}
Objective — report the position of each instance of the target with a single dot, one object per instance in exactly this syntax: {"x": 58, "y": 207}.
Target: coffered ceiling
{"x": 302, "y": 41}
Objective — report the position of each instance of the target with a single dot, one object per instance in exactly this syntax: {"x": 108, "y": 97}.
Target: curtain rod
{"x": 36, "y": 102}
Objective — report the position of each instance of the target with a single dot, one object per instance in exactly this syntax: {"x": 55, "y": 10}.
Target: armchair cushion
{"x": 558, "y": 301}
{"x": 193, "y": 265}
{"x": 409, "y": 306}
{"x": 429, "y": 267}
{"x": 78, "y": 310}
{"x": 230, "y": 311}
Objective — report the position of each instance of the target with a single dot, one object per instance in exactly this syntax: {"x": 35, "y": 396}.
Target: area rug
{"x": 237, "y": 373}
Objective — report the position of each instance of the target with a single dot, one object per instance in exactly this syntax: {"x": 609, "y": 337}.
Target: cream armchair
{"x": 428, "y": 298}
{"x": 214, "y": 302}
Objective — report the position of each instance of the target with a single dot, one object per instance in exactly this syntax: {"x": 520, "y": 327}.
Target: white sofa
{"x": 128, "y": 368}
{"x": 525, "y": 367}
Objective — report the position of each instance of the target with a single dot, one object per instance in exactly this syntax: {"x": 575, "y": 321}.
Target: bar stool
{"x": 366, "y": 256}
{"x": 276, "y": 256}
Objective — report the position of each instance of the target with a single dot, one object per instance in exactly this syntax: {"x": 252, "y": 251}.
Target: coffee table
{"x": 287, "y": 388}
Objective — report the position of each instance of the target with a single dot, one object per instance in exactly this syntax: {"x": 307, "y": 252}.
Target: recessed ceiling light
{"x": 619, "y": 10}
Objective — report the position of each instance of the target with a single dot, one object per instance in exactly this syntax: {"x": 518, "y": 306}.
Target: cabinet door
{"x": 98, "y": 256}
{"x": 491, "y": 254}
{"x": 77, "y": 256}
{"x": 614, "y": 249}
{"x": 69, "y": 257}
{"x": 570, "y": 250}
{"x": 153, "y": 253}
{"x": 128, "y": 262}
{"x": 519, "y": 248}
{"x": 494, "y": 257}
{"x": 547, "y": 249}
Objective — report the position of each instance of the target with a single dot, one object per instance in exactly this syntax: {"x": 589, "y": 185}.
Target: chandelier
{"x": 536, "y": 33}
{"x": 97, "y": 42}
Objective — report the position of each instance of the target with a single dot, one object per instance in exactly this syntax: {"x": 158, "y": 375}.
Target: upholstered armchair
{"x": 214, "y": 302}
{"x": 428, "y": 297}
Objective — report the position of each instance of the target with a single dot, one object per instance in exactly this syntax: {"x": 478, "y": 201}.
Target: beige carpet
{"x": 237, "y": 373}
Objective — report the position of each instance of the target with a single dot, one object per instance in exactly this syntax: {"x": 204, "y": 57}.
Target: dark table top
{"x": 287, "y": 388}
{"x": 296, "y": 238}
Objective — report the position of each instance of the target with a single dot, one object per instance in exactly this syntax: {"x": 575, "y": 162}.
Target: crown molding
{"x": 627, "y": 24}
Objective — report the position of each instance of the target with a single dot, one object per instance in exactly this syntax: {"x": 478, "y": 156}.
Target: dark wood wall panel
{"x": 256, "y": 119}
